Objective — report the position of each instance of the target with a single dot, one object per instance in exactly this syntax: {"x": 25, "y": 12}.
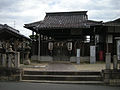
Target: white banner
{"x": 78, "y": 52}
{"x": 118, "y": 49}
{"x": 92, "y": 51}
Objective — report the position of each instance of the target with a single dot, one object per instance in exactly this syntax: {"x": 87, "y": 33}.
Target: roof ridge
{"x": 11, "y": 28}
{"x": 66, "y": 13}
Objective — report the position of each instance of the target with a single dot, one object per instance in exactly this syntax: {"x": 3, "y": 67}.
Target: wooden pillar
{"x": 108, "y": 54}
{"x": 83, "y": 49}
{"x": 93, "y": 48}
{"x": 39, "y": 39}
{"x": 107, "y": 46}
{"x": 115, "y": 62}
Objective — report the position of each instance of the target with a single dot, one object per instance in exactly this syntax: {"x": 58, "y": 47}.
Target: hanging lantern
{"x": 69, "y": 46}
{"x": 50, "y": 45}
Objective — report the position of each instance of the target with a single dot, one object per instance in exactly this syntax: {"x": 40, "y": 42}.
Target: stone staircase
{"x": 73, "y": 77}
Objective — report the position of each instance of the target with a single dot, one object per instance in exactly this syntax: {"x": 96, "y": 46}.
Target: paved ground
{"x": 60, "y": 66}
{"x": 46, "y": 86}
{"x": 65, "y": 66}
{"x": 90, "y": 67}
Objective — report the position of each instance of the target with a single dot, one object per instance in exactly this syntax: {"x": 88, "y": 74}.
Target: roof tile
{"x": 64, "y": 20}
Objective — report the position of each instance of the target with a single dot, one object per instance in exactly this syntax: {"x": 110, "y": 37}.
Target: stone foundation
{"x": 41, "y": 58}
{"x": 50, "y": 58}
{"x": 82, "y": 59}
{"x": 111, "y": 77}
{"x": 34, "y": 58}
{"x": 45, "y": 58}
{"x": 10, "y": 74}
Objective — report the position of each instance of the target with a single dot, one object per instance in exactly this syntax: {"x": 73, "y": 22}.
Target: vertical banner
{"x": 78, "y": 52}
{"x": 92, "y": 51}
{"x": 118, "y": 49}
{"x": 78, "y": 56}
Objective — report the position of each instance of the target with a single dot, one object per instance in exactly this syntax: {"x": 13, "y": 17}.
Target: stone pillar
{"x": 108, "y": 61}
{"x": 78, "y": 56}
{"x": 115, "y": 62}
{"x": 106, "y": 76}
{"x": 92, "y": 54}
{"x": 17, "y": 59}
{"x": 9, "y": 60}
{"x": 4, "y": 60}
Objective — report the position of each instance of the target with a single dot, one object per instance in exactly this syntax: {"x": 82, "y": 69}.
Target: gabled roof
{"x": 7, "y": 29}
{"x": 113, "y": 23}
{"x": 63, "y": 20}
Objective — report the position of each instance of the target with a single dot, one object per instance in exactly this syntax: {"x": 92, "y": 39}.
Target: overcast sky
{"x": 27, "y": 11}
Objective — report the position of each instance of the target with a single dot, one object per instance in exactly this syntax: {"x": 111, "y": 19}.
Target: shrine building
{"x": 66, "y": 36}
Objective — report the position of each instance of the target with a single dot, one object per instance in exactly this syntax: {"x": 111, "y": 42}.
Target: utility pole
{"x": 14, "y": 24}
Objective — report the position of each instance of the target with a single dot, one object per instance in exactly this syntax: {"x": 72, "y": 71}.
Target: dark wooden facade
{"x": 74, "y": 27}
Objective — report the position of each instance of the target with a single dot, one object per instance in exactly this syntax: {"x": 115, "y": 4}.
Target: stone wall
{"x": 10, "y": 74}
{"x": 111, "y": 77}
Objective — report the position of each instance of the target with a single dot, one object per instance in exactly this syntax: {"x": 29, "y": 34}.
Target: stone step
{"x": 63, "y": 77}
{"x": 61, "y": 73}
{"x": 65, "y": 82}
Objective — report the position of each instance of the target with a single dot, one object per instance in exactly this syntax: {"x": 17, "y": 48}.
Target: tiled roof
{"x": 5, "y": 27}
{"x": 64, "y": 20}
{"x": 113, "y": 23}
{"x": 9, "y": 28}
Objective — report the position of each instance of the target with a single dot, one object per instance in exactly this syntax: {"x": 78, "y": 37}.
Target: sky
{"x": 16, "y": 13}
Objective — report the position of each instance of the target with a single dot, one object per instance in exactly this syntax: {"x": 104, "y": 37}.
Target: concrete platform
{"x": 58, "y": 66}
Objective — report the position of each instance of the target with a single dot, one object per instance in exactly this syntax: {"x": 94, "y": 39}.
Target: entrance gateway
{"x": 60, "y": 51}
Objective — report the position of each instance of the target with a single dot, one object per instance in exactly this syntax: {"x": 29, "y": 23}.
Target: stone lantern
{"x": 11, "y": 55}
{"x": 26, "y": 52}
